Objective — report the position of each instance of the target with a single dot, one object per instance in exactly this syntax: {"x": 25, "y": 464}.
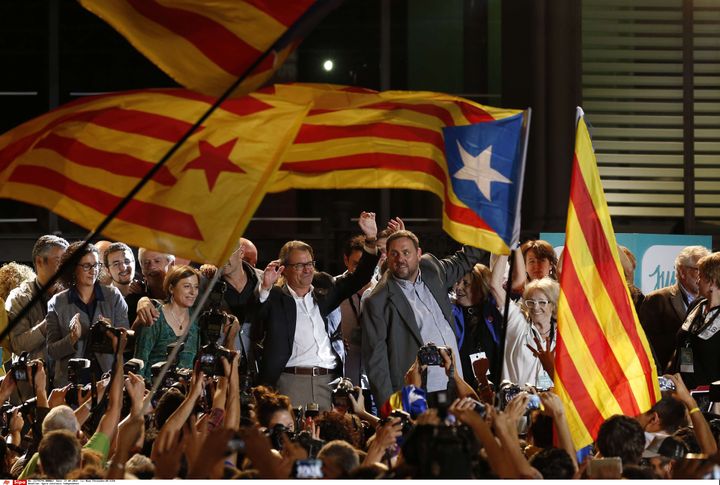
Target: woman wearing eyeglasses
{"x": 72, "y": 311}
{"x": 530, "y": 340}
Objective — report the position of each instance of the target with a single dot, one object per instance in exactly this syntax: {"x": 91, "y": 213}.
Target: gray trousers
{"x": 303, "y": 389}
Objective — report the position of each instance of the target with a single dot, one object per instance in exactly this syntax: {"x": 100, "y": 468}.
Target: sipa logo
{"x": 19, "y": 482}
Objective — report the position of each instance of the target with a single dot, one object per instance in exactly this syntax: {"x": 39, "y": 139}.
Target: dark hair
{"x": 687, "y": 435}
{"x": 168, "y": 404}
{"x": 673, "y": 447}
{"x": 404, "y": 233}
{"x": 67, "y": 276}
{"x": 353, "y": 244}
{"x": 636, "y": 472}
{"x": 114, "y": 248}
{"x": 59, "y": 453}
{"x": 621, "y": 436}
{"x": 542, "y": 250}
{"x": 541, "y": 430}
{"x": 671, "y": 413}
{"x": 177, "y": 273}
{"x": 336, "y": 426}
{"x": 553, "y": 464}
{"x": 267, "y": 403}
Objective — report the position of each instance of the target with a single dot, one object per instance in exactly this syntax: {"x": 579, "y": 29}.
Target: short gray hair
{"x": 45, "y": 243}
{"x": 548, "y": 286}
{"x": 141, "y": 253}
{"x": 60, "y": 417}
{"x": 688, "y": 253}
{"x": 342, "y": 454}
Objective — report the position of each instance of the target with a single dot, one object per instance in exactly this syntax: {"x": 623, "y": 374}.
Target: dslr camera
{"x": 19, "y": 368}
{"x": 100, "y": 342}
{"x": 508, "y": 392}
{"x": 406, "y": 424}
{"x": 211, "y": 321}
{"x": 342, "y": 390}
{"x": 210, "y": 362}
{"x": 429, "y": 354}
{"x": 78, "y": 376}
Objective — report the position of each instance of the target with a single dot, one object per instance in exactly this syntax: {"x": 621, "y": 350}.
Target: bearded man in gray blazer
{"x": 408, "y": 308}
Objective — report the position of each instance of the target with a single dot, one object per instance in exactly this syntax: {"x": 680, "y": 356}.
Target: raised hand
{"x": 396, "y": 224}
{"x": 271, "y": 274}
{"x": 368, "y": 225}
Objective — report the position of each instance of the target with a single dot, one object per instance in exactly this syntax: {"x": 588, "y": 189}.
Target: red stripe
{"x": 356, "y": 89}
{"x": 318, "y": 133}
{"x": 285, "y": 12}
{"x": 243, "y": 106}
{"x": 129, "y": 121}
{"x": 427, "y": 109}
{"x": 145, "y": 214}
{"x": 595, "y": 339}
{"x": 575, "y": 387}
{"x": 115, "y": 163}
{"x": 388, "y": 161}
{"x": 602, "y": 256}
{"x": 214, "y": 40}
{"x": 474, "y": 114}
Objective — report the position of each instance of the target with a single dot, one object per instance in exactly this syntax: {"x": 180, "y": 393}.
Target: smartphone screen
{"x": 307, "y": 469}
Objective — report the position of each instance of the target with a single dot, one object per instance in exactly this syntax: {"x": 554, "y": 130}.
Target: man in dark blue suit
{"x": 301, "y": 353}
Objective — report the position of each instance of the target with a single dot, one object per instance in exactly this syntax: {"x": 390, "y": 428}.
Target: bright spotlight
{"x": 328, "y": 65}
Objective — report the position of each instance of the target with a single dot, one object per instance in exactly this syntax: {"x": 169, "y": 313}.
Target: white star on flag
{"x": 477, "y": 169}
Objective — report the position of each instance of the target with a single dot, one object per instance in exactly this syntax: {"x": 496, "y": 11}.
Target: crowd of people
{"x": 395, "y": 368}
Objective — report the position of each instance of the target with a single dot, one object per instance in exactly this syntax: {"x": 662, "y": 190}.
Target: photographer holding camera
{"x": 72, "y": 311}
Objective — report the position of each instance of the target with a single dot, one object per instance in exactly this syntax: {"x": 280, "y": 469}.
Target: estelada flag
{"x": 81, "y": 159}
{"x": 205, "y": 46}
{"x": 603, "y": 362}
{"x": 471, "y": 156}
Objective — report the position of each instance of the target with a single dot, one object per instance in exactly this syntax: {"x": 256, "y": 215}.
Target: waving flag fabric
{"x": 603, "y": 363}
{"x": 205, "y": 46}
{"x": 358, "y": 138}
{"x": 80, "y": 161}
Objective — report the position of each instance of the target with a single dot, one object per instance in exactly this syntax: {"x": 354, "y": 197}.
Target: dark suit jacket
{"x": 274, "y": 326}
{"x": 661, "y": 315}
{"x": 391, "y": 336}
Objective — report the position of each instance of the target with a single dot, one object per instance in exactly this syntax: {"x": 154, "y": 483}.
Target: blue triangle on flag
{"x": 485, "y": 167}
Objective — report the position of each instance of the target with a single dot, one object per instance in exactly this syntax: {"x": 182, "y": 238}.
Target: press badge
{"x": 478, "y": 356}
{"x": 686, "y": 360}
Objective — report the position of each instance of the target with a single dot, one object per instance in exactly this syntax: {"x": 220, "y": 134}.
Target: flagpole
{"x": 503, "y": 324}
{"x": 92, "y": 235}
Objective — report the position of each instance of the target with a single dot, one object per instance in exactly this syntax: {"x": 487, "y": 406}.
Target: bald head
{"x": 250, "y": 253}
{"x": 104, "y": 278}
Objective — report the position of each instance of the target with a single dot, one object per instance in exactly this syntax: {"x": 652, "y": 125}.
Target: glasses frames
{"x": 301, "y": 266}
{"x": 536, "y": 303}
{"x": 89, "y": 266}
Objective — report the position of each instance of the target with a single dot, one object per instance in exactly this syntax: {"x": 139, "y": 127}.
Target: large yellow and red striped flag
{"x": 81, "y": 159}
{"x": 364, "y": 139}
{"x": 603, "y": 362}
{"x": 205, "y": 46}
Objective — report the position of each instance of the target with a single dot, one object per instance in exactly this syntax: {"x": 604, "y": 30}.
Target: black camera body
{"x": 212, "y": 320}
{"x": 406, "y": 424}
{"x": 101, "y": 343}
{"x": 509, "y": 390}
{"x": 429, "y": 354}
{"x": 20, "y": 367}
{"x": 340, "y": 395}
{"x": 134, "y": 366}
{"x": 209, "y": 357}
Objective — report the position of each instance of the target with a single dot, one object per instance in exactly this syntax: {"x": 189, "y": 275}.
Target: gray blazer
{"x": 391, "y": 336}
{"x": 61, "y": 311}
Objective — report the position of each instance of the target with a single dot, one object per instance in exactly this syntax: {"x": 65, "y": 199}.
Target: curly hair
{"x": 67, "y": 276}
{"x": 13, "y": 275}
{"x": 336, "y": 426}
{"x": 267, "y": 403}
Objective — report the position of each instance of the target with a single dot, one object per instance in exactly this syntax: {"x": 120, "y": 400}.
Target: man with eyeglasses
{"x": 120, "y": 262}
{"x": 663, "y": 311}
{"x": 301, "y": 355}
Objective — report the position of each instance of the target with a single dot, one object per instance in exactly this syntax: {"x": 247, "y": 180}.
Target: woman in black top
{"x": 477, "y": 320}
{"x": 697, "y": 356}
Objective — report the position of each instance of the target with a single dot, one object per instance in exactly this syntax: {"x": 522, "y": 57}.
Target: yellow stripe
{"x": 474, "y": 236}
{"x": 583, "y": 360}
{"x": 580, "y": 435}
{"x": 358, "y": 179}
{"x": 253, "y": 26}
{"x": 603, "y": 308}
{"x": 143, "y": 34}
{"x": 358, "y": 145}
